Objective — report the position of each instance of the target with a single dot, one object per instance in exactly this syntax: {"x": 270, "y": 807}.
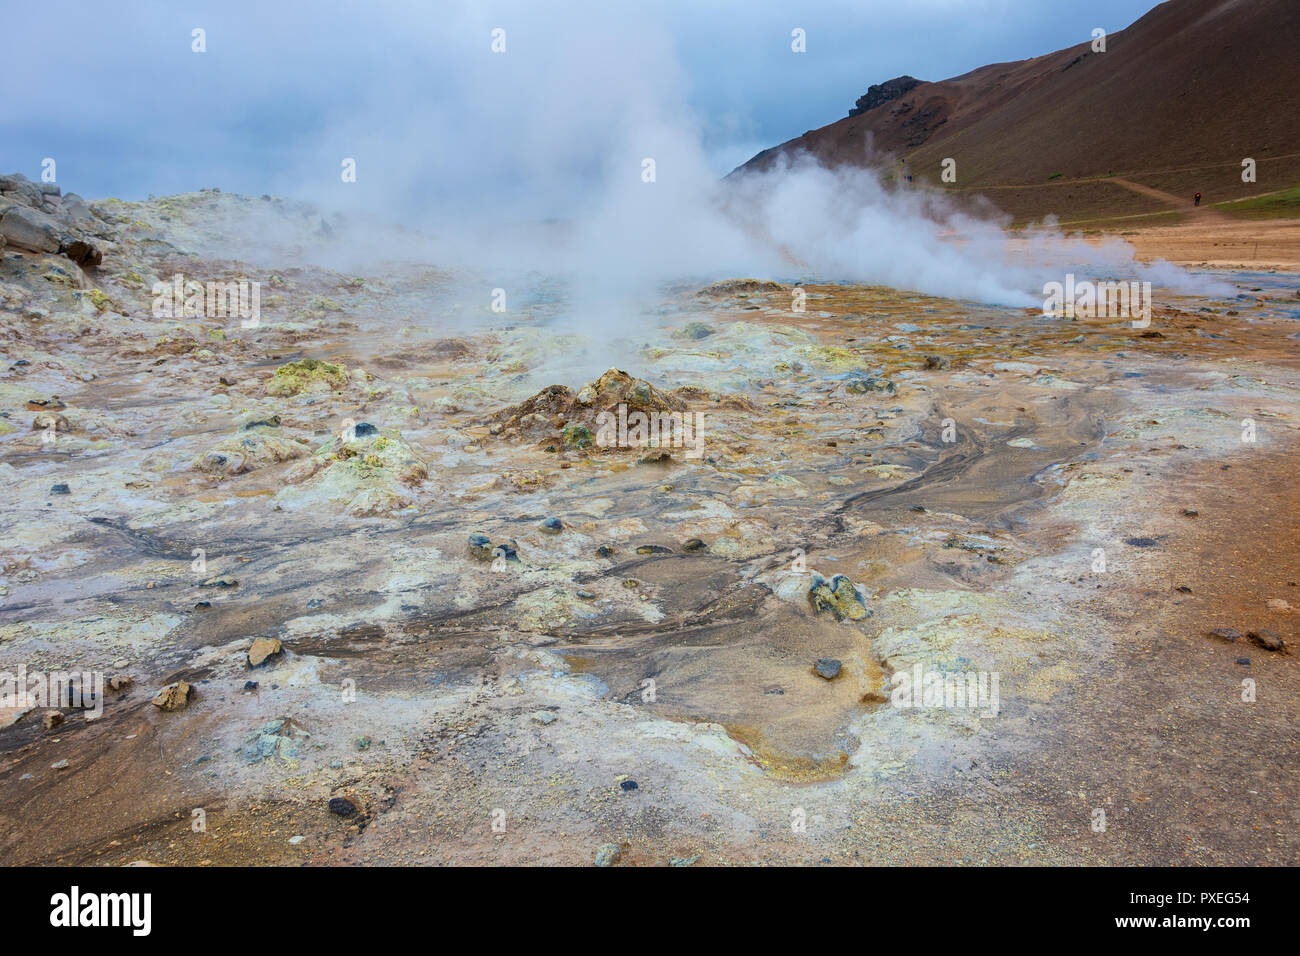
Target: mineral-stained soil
{"x": 504, "y": 641}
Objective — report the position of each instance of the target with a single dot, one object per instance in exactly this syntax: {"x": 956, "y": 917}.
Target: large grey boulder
{"x": 38, "y": 218}
{"x": 79, "y": 210}
{"x": 20, "y": 189}
{"x": 30, "y": 229}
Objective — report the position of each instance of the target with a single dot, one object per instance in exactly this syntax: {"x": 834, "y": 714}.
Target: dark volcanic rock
{"x": 343, "y": 806}
{"x": 1267, "y": 639}
{"x": 827, "y": 668}
{"x": 879, "y": 93}
{"x": 480, "y": 546}
{"x": 81, "y": 252}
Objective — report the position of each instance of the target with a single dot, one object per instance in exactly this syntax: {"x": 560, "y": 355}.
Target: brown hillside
{"x": 1176, "y": 101}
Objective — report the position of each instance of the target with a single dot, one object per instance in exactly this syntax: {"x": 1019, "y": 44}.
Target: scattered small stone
{"x": 270, "y": 421}
{"x": 1142, "y": 542}
{"x": 607, "y": 854}
{"x": 627, "y": 785}
{"x": 544, "y": 717}
{"x": 860, "y": 384}
{"x": 295, "y": 840}
{"x": 250, "y": 686}
{"x": 827, "y": 668}
{"x": 552, "y": 526}
{"x": 605, "y": 551}
{"x": 653, "y": 549}
{"x": 693, "y": 544}
{"x": 1229, "y": 634}
{"x": 918, "y": 508}
{"x": 51, "y": 719}
{"x": 59, "y": 765}
{"x": 362, "y": 429}
{"x": 684, "y": 860}
{"x": 60, "y": 489}
{"x": 1184, "y": 588}
{"x": 934, "y": 362}
{"x": 480, "y": 547}
{"x": 586, "y": 596}
{"x": 51, "y": 404}
{"x": 174, "y": 696}
{"x": 343, "y": 806}
{"x": 264, "y": 649}
{"x": 1190, "y": 512}
{"x": 656, "y": 456}
{"x": 202, "y": 605}
{"x": 1243, "y": 661}
{"x": 222, "y": 582}
{"x": 1267, "y": 639}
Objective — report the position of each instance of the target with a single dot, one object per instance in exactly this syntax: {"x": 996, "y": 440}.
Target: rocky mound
{"x": 734, "y": 286}
{"x": 880, "y": 93}
{"x": 37, "y": 217}
{"x": 369, "y": 473}
{"x": 560, "y": 416}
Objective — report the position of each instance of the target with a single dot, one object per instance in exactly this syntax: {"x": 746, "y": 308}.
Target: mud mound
{"x": 733, "y": 286}
{"x": 558, "y": 414}
{"x": 441, "y": 350}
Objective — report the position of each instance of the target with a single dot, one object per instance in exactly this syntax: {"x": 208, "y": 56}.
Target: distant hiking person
{"x": 1198, "y": 199}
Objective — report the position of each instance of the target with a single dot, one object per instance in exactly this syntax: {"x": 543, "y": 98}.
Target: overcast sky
{"x": 286, "y": 90}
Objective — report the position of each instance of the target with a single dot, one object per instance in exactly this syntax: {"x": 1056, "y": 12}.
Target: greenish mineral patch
{"x": 306, "y": 375}
{"x": 577, "y": 435}
{"x": 839, "y": 595}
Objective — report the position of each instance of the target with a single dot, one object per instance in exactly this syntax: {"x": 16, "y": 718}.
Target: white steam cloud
{"x": 531, "y": 160}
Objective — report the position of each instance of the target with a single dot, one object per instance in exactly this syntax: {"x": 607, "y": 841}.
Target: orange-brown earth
{"x": 1175, "y": 103}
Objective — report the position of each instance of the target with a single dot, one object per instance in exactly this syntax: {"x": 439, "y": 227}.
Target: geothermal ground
{"x": 1073, "y": 506}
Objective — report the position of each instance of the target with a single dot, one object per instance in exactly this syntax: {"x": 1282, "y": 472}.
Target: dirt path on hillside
{"x": 1202, "y": 214}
